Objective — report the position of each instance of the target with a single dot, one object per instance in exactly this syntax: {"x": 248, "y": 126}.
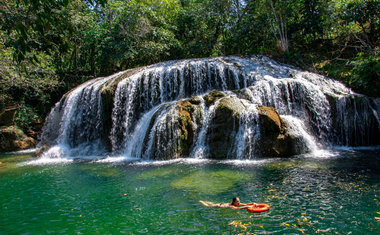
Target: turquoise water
{"x": 335, "y": 195}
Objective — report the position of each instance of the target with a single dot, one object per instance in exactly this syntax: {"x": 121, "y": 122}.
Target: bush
{"x": 365, "y": 74}
{"x": 25, "y": 117}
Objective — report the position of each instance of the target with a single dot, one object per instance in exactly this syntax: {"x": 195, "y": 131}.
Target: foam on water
{"x": 116, "y": 159}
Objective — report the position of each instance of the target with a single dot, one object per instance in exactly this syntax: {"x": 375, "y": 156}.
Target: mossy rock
{"x": 213, "y": 96}
{"x": 186, "y": 110}
{"x": 13, "y": 139}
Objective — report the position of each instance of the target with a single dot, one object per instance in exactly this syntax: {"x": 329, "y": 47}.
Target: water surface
{"x": 330, "y": 195}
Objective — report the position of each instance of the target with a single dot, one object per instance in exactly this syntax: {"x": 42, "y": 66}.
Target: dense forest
{"x": 50, "y": 46}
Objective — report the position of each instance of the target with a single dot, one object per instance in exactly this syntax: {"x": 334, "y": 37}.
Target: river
{"x": 333, "y": 193}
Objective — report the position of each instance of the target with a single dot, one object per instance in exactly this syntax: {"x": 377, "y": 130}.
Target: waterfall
{"x": 248, "y": 134}
{"x": 75, "y": 121}
{"x": 133, "y": 146}
{"x": 201, "y": 148}
{"x": 297, "y": 128}
{"x": 208, "y": 107}
{"x": 355, "y": 121}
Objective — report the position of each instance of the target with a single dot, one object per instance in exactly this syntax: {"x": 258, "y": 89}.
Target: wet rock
{"x": 221, "y": 134}
{"x": 270, "y": 121}
{"x": 272, "y": 141}
{"x": 212, "y": 96}
{"x": 195, "y": 100}
{"x": 276, "y": 140}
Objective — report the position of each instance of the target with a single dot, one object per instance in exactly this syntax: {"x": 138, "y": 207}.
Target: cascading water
{"x": 200, "y": 149}
{"x": 209, "y": 108}
{"x": 249, "y": 132}
{"x": 73, "y": 124}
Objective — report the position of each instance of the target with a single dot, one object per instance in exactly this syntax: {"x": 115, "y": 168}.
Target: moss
{"x": 185, "y": 118}
{"x": 213, "y": 96}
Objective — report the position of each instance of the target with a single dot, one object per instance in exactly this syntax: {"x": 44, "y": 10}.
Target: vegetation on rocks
{"x": 186, "y": 110}
{"x": 12, "y": 138}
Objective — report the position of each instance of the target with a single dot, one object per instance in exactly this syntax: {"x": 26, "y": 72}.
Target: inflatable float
{"x": 261, "y": 207}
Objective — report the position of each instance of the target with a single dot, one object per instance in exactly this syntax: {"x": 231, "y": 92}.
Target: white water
{"x": 296, "y": 127}
{"x": 248, "y": 134}
{"x": 201, "y": 149}
{"x": 134, "y": 144}
{"x": 145, "y": 122}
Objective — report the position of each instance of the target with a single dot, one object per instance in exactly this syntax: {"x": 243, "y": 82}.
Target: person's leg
{"x": 209, "y": 204}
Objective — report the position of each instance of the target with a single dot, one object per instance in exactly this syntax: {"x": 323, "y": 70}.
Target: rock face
{"x": 273, "y": 140}
{"x": 176, "y": 128}
{"x": 13, "y": 139}
{"x": 224, "y": 126}
{"x": 276, "y": 140}
{"x": 7, "y": 115}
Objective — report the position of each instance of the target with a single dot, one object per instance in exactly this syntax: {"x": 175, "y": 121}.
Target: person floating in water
{"x": 235, "y": 204}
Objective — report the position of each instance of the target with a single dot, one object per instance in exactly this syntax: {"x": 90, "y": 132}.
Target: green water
{"x": 336, "y": 195}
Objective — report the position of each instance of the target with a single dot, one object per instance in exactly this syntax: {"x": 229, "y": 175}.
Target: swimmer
{"x": 235, "y": 204}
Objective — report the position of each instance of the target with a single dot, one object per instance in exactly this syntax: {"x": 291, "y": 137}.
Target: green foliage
{"x": 365, "y": 74}
{"x": 25, "y": 117}
{"x": 49, "y": 46}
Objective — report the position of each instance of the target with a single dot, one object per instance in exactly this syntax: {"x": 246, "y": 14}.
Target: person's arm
{"x": 248, "y": 204}
{"x": 240, "y": 207}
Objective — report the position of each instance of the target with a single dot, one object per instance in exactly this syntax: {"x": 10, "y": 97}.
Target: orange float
{"x": 258, "y": 207}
